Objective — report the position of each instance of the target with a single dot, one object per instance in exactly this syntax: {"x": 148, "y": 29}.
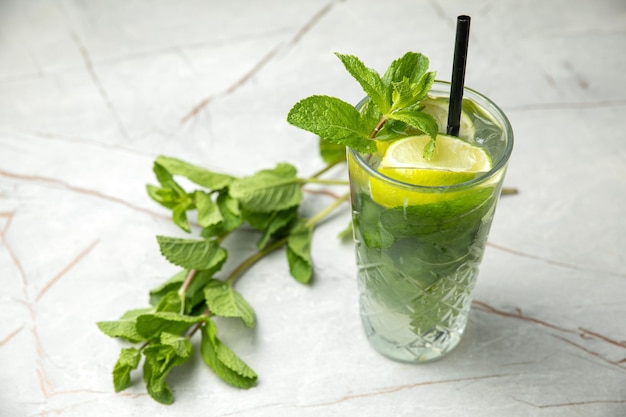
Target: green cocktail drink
{"x": 422, "y": 201}
{"x": 421, "y": 227}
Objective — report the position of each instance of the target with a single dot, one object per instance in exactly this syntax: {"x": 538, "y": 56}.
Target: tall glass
{"x": 418, "y": 256}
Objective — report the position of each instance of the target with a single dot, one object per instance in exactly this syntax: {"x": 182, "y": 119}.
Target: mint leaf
{"x": 369, "y": 79}
{"x": 208, "y": 210}
{"x": 228, "y": 366}
{"x": 192, "y": 254}
{"x": 180, "y": 344}
{"x": 333, "y": 120}
{"x": 164, "y": 196}
{"x": 299, "y": 252}
{"x": 268, "y": 189}
{"x": 429, "y": 149}
{"x": 170, "y": 302}
{"x": 126, "y": 326}
{"x": 179, "y": 216}
{"x": 151, "y": 325}
{"x": 160, "y": 360}
{"x": 231, "y": 217}
{"x": 271, "y": 224}
{"x": 171, "y": 195}
{"x": 198, "y": 175}
{"x": 224, "y": 301}
{"x": 422, "y": 121}
{"x": 406, "y": 94}
{"x": 172, "y": 284}
{"x": 411, "y": 66}
{"x": 128, "y": 360}
{"x": 166, "y": 179}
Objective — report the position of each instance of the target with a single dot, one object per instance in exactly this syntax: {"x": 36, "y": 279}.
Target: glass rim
{"x": 493, "y": 109}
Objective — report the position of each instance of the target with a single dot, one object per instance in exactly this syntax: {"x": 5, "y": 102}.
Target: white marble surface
{"x": 92, "y": 91}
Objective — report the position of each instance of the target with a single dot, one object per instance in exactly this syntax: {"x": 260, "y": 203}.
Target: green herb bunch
{"x": 187, "y": 303}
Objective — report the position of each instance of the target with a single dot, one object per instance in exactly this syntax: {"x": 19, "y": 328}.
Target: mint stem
{"x": 199, "y": 325}
{"x": 251, "y": 260}
{"x": 314, "y": 180}
{"x": 325, "y": 169}
{"x": 378, "y": 127}
{"x": 325, "y": 212}
{"x": 190, "y": 276}
{"x": 254, "y": 258}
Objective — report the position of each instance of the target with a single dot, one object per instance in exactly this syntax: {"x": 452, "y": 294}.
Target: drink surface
{"x": 418, "y": 248}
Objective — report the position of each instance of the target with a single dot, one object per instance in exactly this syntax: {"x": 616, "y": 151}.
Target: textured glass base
{"x": 407, "y": 323}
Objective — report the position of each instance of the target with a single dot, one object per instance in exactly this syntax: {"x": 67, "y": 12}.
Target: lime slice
{"x": 438, "y": 108}
{"x": 453, "y": 162}
{"x": 451, "y": 154}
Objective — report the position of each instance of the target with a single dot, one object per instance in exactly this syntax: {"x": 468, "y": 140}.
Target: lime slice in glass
{"x": 454, "y": 161}
{"x": 438, "y": 108}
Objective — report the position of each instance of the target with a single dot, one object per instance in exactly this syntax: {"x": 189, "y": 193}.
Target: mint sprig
{"x": 393, "y": 110}
{"x": 267, "y": 201}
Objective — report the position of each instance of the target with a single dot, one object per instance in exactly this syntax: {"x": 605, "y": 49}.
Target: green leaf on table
{"x": 164, "y": 196}
{"x": 165, "y": 178}
{"x": 179, "y": 216}
{"x": 171, "y": 195}
{"x": 203, "y": 177}
{"x": 272, "y": 224}
{"x": 172, "y": 284}
{"x": 192, "y": 254}
{"x": 269, "y": 189}
{"x": 369, "y": 79}
{"x": 299, "y": 252}
{"x": 231, "y": 217}
{"x": 224, "y": 301}
{"x": 228, "y": 366}
{"x": 333, "y": 120}
{"x": 128, "y": 361}
{"x": 180, "y": 344}
{"x": 208, "y": 210}
{"x": 126, "y": 326}
{"x": 170, "y": 302}
{"x": 161, "y": 358}
{"x": 151, "y": 325}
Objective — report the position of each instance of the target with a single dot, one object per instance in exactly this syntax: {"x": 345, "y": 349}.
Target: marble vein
{"x": 552, "y": 261}
{"x": 80, "y": 190}
{"x": 592, "y": 353}
{"x": 572, "y": 404}
{"x": 98, "y": 84}
{"x": 263, "y": 61}
{"x": 11, "y": 335}
{"x": 391, "y": 390}
{"x": 65, "y": 270}
{"x": 584, "y": 334}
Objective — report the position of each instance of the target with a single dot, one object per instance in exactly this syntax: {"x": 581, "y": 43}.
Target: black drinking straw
{"x": 458, "y": 74}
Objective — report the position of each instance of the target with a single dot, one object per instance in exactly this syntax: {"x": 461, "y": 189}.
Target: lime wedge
{"x": 438, "y": 108}
{"x": 455, "y": 161}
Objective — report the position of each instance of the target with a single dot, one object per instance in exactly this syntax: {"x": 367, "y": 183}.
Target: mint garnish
{"x": 393, "y": 110}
